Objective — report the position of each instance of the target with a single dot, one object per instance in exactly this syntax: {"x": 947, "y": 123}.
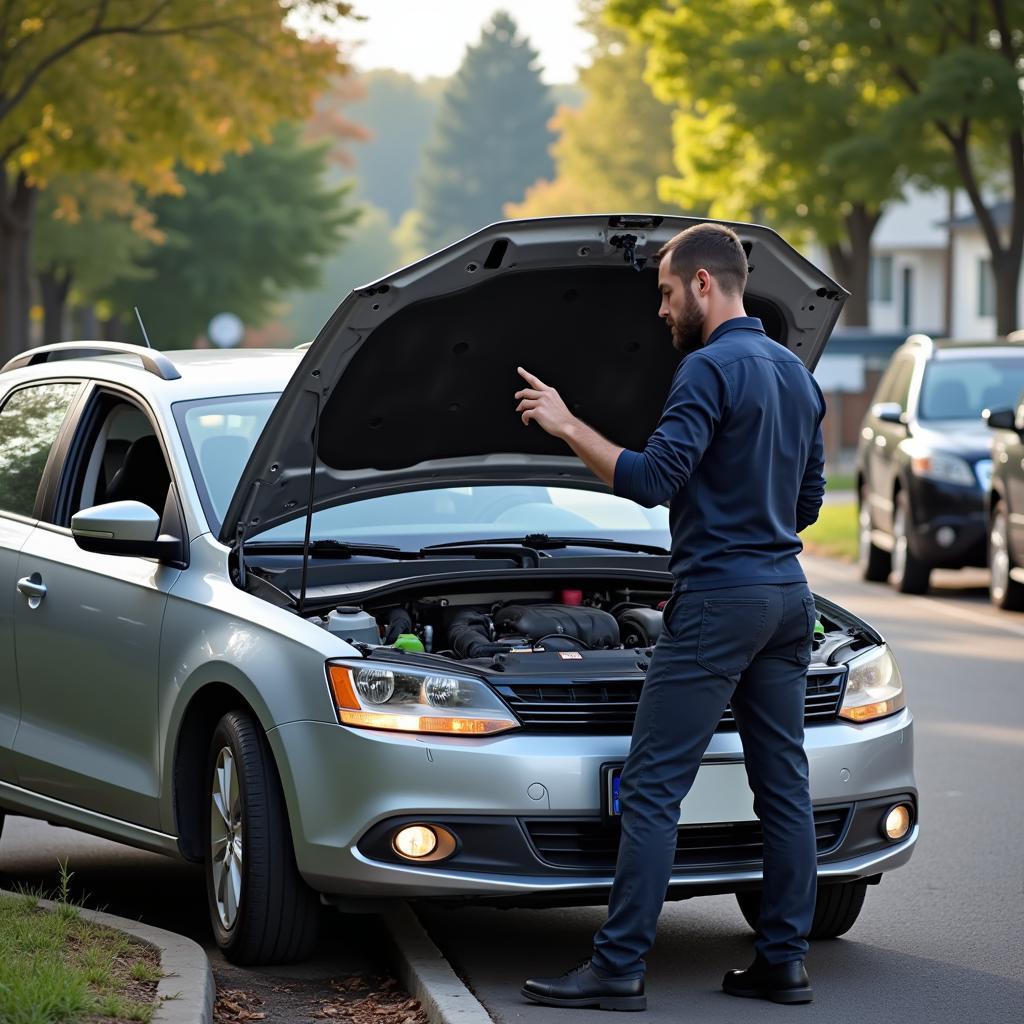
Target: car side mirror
{"x": 123, "y": 528}
{"x": 888, "y": 412}
{"x": 1001, "y": 419}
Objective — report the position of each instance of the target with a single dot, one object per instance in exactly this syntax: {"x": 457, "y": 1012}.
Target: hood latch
{"x": 627, "y": 243}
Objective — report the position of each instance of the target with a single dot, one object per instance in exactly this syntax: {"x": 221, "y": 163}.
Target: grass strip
{"x": 834, "y": 535}
{"x": 58, "y": 968}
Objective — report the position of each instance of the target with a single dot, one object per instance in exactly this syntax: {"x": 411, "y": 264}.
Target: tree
{"x": 238, "y": 240}
{"x": 139, "y": 86}
{"x": 490, "y": 138}
{"x": 398, "y": 113}
{"x": 91, "y": 229}
{"x": 773, "y": 121}
{"x": 613, "y": 149}
{"x": 956, "y": 68}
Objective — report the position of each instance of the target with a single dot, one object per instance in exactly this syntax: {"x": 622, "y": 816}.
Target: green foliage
{"x": 238, "y": 240}
{"x": 490, "y": 138}
{"x": 92, "y": 229}
{"x": 398, "y": 113}
{"x": 368, "y": 253}
{"x": 613, "y": 149}
{"x": 774, "y": 119}
{"x": 147, "y": 85}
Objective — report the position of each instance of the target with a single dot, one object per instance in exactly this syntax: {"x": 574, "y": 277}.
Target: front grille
{"x": 608, "y": 707}
{"x": 593, "y": 845}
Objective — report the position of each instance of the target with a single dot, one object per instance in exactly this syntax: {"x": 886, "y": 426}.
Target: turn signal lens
{"x": 897, "y": 822}
{"x": 874, "y": 688}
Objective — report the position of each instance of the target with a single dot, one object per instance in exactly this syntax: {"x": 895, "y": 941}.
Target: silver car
{"x": 335, "y": 624}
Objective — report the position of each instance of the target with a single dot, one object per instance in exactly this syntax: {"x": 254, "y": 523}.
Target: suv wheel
{"x": 875, "y": 564}
{"x": 1004, "y": 591}
{"x": 909, "y": 574}
{"x": 261, "y": 910}
{"x": 835, "y": 910}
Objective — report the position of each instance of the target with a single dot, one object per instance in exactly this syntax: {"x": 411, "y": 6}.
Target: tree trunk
{"x": 54, "y": 287}
{"x": 1006, "y": 272}
{"x": 86, "y": 325}
{"x": 851, "y": 261}
{"x": 17, "y": 208}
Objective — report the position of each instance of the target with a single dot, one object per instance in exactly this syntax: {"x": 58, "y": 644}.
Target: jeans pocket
{"x": 730, "y": 632}
{"x": 804, "y": 647}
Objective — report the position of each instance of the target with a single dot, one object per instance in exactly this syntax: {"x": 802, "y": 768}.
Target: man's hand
{"x": 541, "y": 404}
{"x": 544, "y": 406}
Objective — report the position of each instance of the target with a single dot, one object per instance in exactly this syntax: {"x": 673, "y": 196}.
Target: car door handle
{"x": 33, "y": 588}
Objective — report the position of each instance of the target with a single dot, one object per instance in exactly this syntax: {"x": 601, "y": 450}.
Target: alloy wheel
{"x": 226, "y": 838}
{"x": 999, "y": 557}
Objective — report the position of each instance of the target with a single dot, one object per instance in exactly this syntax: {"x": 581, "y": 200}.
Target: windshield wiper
{"x": 543, "y": 542}
{"x": 331, "y": 549}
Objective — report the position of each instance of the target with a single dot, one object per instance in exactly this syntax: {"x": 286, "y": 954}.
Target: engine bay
{"x": 483, "y": 629}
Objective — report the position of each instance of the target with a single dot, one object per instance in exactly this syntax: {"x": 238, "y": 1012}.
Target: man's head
{"x": 702, "y": 272}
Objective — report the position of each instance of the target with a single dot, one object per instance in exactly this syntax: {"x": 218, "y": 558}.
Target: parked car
{"x": 924, "y": 461}
{"x": 1006, "y": 507}
{"x": 336, "y": 625}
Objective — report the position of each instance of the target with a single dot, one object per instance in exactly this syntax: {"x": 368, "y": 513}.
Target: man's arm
{"x": 696, "y": 402}
{"x": 812, "y": 487}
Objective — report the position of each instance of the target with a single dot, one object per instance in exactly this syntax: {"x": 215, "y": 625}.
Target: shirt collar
{"x": 737, "y": 323}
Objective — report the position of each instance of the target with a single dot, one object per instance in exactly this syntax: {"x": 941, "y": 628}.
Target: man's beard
{"x": 688, "y": 330}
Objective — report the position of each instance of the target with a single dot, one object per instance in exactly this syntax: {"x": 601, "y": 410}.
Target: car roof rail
{"x": 152, "y": 361}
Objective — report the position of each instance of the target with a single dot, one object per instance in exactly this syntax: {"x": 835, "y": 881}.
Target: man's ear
{"x": 703, "y": 279}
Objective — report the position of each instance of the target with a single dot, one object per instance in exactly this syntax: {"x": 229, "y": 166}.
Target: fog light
{"x": 944, "y": 536}
{"x": 896, "y": 823}
{"x": 416, "y": 842}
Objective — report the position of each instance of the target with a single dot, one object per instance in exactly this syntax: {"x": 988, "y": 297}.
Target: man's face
{"x": 680, "y": 309}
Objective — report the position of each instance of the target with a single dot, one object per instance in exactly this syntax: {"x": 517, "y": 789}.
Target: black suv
{"x": 924, "y": 464}
{"x": 1006, "y": 507}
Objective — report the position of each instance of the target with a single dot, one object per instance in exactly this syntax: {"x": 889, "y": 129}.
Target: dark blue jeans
{"x": 751, "y": 646}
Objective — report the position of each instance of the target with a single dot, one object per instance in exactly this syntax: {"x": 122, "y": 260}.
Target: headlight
{"x": 950, "y": 469}
{"x": 416, "y": 700}
{"x": 874, "y": 688}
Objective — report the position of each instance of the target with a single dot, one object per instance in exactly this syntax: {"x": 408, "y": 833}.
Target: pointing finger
{"x": 530, "y": 378}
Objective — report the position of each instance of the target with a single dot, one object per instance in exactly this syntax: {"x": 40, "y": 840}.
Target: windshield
{"x": 961, "y": 389}
{"x": 219, "y": 436}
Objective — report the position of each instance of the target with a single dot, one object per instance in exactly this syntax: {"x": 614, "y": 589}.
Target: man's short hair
{"x": 713, "y": 247}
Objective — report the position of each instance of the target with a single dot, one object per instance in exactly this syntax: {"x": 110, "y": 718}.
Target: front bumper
{"x": 340, "y": 783}
{"x": 937, "y": 505}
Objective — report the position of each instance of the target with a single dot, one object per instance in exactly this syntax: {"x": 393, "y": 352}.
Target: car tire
{"x": 2, "y": 816}
{"x": 261, "y": 910}
{"x": 836, "y": 908}
{"x": 1004, "y": 591}
{"x": 875, "y": 563}
{"x": 909, "y": 574}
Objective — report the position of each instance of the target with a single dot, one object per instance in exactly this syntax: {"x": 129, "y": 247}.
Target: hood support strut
{"x": 309, "y": 506}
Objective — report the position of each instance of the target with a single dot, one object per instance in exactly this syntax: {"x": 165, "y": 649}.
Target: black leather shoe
{"x": 781, "y": 983}
{"x": 582, "y": 987}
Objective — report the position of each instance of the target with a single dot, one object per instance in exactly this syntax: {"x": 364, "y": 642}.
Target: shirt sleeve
{"x": 697, "y": 401}
{"x": 812, "y": 487}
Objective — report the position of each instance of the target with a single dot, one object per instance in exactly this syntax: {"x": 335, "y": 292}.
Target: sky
{"x": 429, "y": 37}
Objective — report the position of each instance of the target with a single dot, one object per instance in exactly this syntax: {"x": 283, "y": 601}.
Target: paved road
{"x": 938, "y": 941}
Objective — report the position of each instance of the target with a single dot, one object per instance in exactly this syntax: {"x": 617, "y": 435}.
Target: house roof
{"x": 1001, "y": 214}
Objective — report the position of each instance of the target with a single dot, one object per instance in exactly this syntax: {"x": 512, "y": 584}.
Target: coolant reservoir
{"x": 353, "y": 624}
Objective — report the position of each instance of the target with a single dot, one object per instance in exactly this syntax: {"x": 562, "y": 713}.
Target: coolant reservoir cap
{"x": 347, "y": 609}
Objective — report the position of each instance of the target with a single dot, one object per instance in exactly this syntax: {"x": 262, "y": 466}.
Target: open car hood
{"x": 412, "y": 378}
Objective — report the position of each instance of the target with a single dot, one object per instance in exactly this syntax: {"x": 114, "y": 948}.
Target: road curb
{"x": 186, "y": 993}
{"x": 426, "y": 974}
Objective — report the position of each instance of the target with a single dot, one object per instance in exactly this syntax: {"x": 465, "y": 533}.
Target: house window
{"x": 880, "y": 279}
{"x": 986, "y": 289}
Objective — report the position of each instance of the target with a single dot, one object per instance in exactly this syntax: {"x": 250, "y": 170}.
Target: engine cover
{"x": 595, "y": 628}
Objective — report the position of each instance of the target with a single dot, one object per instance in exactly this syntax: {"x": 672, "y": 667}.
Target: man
{"x": 738, "y": 453}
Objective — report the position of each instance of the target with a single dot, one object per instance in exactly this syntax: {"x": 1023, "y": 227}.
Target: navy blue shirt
{"x": 738, "y": 453}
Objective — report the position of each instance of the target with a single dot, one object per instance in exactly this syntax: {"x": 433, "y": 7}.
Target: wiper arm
{"x": 543, "y": 542}
{"x": 332, "y": 549}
